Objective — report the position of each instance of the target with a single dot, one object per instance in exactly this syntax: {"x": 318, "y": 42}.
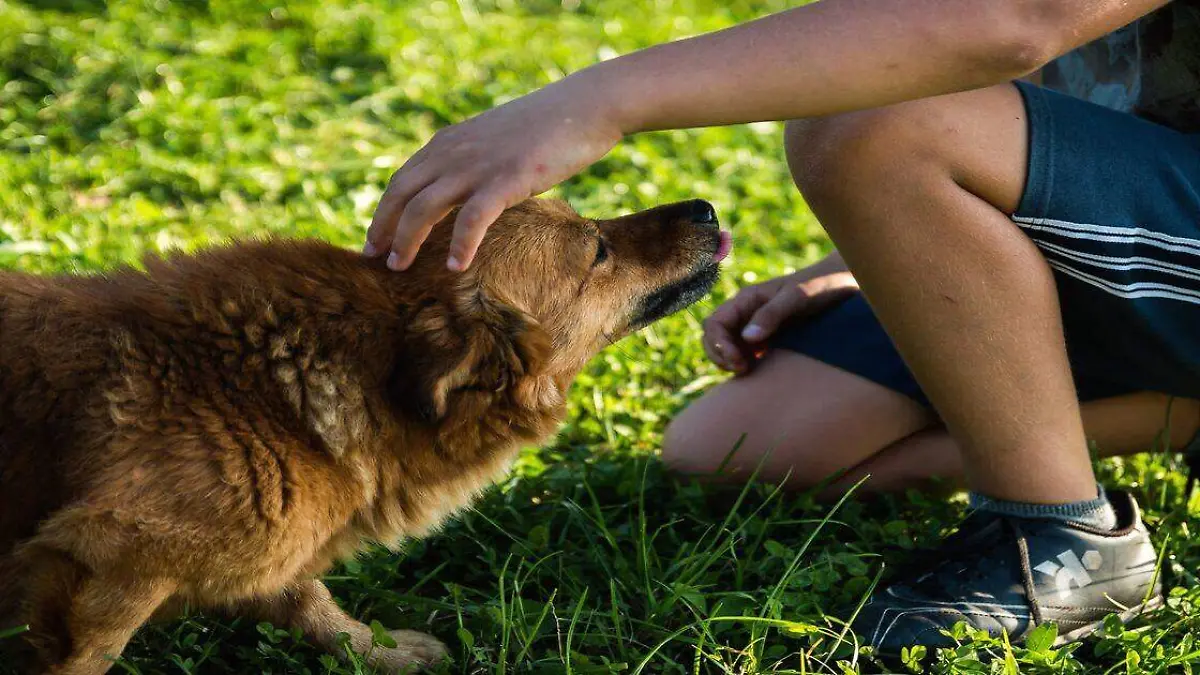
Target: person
{"x": 1020, "y": 247}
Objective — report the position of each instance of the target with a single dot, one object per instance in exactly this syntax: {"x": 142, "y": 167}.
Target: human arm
{"x": 824, "y": 58}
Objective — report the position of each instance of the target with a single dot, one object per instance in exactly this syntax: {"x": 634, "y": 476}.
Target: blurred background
{"x": 135, "y": 126}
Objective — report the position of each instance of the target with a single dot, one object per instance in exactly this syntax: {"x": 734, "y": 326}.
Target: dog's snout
{"x": 703, "y": 213}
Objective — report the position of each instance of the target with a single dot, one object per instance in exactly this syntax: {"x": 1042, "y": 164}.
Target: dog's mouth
{"x": 677, "y": 294}
{"x": 724, "y": 245}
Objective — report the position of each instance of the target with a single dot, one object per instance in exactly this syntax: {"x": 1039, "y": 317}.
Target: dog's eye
{"x": 601, "y": 253}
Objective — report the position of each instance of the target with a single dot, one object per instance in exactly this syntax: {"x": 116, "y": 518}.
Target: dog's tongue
{"x": 724, "y": 247}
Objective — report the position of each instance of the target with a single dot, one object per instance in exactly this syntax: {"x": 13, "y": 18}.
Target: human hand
{"x": 739, "y": 328}
{"x": 487, "y": 164}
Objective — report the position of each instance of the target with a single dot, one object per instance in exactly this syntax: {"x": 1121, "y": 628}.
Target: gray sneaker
{"x": 1001, "y": 573}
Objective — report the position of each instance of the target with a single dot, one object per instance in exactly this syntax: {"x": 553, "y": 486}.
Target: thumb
{"x": 764, "y": 322}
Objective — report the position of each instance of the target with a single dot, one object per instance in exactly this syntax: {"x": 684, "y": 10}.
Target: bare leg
{"x": 1122, "y": 425}
{"x": 307, "y": 605}
{"x": 814, "y": 420}
{"x": 917, "y": 197}
{"x": 817, "y": 420}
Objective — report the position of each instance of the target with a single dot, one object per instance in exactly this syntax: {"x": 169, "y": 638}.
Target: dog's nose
{"x": 703, "y": 213}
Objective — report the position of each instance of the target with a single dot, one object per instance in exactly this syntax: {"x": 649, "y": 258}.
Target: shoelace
{"x": 968, "y": 546}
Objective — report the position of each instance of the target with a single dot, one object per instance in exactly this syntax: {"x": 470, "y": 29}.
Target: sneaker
{"x": 1001, "y": 573}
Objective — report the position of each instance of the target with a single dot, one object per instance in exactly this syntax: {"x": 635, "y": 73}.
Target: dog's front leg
{"x": 308, "y": 605}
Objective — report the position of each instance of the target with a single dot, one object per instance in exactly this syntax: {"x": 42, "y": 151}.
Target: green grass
{"x": 138, "y": 125}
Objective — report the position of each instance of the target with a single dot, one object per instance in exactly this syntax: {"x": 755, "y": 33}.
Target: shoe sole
{"x": 1126, "y": 616}
{"x": 1074, "y": 636}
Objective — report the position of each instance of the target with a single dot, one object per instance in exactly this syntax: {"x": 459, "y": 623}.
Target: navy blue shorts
{"x": 1113, "y": 203}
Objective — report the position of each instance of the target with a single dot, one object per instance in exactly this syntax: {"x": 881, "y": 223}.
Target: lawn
{"x": 130, "y": 126}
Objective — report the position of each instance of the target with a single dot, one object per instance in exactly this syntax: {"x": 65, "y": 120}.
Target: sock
{"x": 1097, "y": 513}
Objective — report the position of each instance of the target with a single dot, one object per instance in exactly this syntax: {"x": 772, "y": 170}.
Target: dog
{"x": 218, "y": 429}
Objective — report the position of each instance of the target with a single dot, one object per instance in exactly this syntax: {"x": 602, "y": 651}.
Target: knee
{"x": 701, "y": 437}
{"x": 723, "y": 438}
{"x": 684, "y": 450}
{"x": 696, "y": 447}
{"x": 831, "y": 158}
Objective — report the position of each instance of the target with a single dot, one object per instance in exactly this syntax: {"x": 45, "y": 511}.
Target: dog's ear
{"x": 488, "y": 348}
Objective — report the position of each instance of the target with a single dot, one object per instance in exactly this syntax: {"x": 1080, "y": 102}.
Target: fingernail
{"x": 369, "y": 250}
{"x": 393, "y": 262}
{"x": 753, "y": 332}
{"x": 454, "y": 264}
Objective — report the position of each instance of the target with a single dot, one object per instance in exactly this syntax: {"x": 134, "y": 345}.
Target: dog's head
{"x": 547, "y": 291}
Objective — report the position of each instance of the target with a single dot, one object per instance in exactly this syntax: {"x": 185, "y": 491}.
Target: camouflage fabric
{"x": 1150, "y": 68}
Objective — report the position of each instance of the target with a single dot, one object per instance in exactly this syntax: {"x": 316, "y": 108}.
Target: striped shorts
{"x": 1113, "y": 203}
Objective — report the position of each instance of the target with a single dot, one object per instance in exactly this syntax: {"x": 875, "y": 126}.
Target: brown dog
{"x": 220, "y": 429}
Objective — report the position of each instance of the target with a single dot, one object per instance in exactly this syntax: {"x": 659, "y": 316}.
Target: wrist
{"x": 605, "y": 90}
{"x": 829, "y": 265}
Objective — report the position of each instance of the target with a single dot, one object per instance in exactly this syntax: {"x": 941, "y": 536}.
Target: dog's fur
{"x": 219, "y": 429}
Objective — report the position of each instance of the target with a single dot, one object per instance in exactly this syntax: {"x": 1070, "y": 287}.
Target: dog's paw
{"x": 412, "y": 649}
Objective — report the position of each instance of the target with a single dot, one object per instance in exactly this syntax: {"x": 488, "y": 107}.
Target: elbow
{"x": 1020, "y": 54}
{"x": 1009, "y": 39}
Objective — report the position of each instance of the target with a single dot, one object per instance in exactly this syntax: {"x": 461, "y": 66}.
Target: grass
{"x": 138, "y": 125}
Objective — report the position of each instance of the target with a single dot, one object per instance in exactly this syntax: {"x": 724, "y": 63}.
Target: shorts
{"x": 1113, "y": 203}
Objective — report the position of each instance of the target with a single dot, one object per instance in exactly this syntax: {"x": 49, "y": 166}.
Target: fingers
{"x": 413, "y": 204}
{"x": 480, "y": 211}
{"x": 767, "y": 318}
{"x": 719, "y": 331}
{"x": 418, "y": 217}
{"x": 404, "y": 185}
{"x": 797, "y": 299}
{"x": 735, "y": 334}
{"x": 721, "y": 347}
{"x": 720, "y": 341}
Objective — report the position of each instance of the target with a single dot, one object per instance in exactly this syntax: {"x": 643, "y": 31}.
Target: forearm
{"x": 841, "y": 55}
